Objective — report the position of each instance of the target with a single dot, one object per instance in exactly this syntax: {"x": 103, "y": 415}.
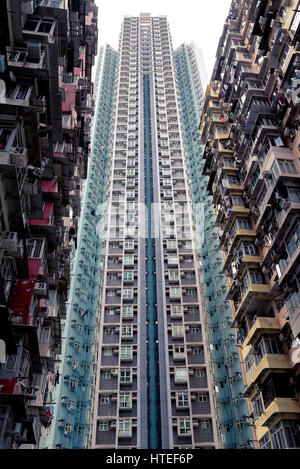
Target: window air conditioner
{"x": 19, "y": 156}
{"x": 34, "y": 50}
{"x": 9, "y": 241}
{"x": 40, "y": 103}
{"x": 16, "y": 429}
{"x": 28, "y": 7}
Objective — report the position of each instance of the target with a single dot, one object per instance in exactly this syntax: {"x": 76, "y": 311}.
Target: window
{"x": 125, "y": 400}
{"x": 248, "y": 249}
{"x": 176, "y": 310}
{"x": 182, "y": 399}
{"x": 177, "y": 330}
{"x": 293, "y": 239}
{"x": 128, "y": 245}
{"x": 126, "y": 352}
{"x": 204, "y": 424}
{"x": 265, "y": 442}
{"x": 128, "y": 260}
{"x": 106, "y": 375}
{"x": 173, "y": 275}
{"x": 110, "y": 312}
{"x": 126, "y": 331}
{"x": 128, "y": 276}
{"x": 198, "y": 350}
{"x": 181, "y": 375}
{"x": 178, "y": 352}
{"x": 175, "y": 293}
{"x": 127, "y": 312}
{"x": 200, "y": 373}
{"x": 104, "y": 400}
{"x": 294, "y": 194}
{"x": 125, "y": 428}
{"x": 257, "y": 405}
{"x": 35, "y": 247}
{"x": 68, "y": 428}
{"x": 125, "y": 375}
{"x": 184, "y": 426}
{"x": 242, "y": 224}
{"x": 107, "y": 352}
{"x": 128, "y": 293}
{"x": 202, "y": 397}
{"x": 286, "y": 166}
{"x": 102, "y": 426}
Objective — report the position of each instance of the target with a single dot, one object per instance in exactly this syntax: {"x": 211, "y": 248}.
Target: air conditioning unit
{"x": 40, "y": 289}
{"x": 29, "y": 392}
{"x": 267, "y": 175}
{"x": 23, "y": 436}
{"x": 9, "y": 241}
{"x": 34, "y": 50}
{"x": 43, "y": 312}
{"x": 18, "y": 156}
{"x": 16, "y": 429}
{"x": 28, "y": 7}
{"x": 40, "y": 103}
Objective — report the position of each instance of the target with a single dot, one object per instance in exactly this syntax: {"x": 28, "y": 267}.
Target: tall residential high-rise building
{"x": 250, "y": 131}
{"x": 47, "y": 50}
{"x": 153, "y": 386}
{"x": 232, "y": 411}
{"x": 74, "y": 394}
{"x": 148, "y": 382}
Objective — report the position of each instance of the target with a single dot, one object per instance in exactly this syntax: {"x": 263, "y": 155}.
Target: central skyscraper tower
{"x": 153, "y": 387}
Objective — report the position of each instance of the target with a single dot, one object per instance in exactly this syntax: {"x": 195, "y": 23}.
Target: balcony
{"x": 21, "y": 301}
{"x": 11, "y": 394}
{"x": 238, "y": 234}
{"x": 22, "y": 58}
{"x": 269, "y": 363}
{"x": 285, "y": 407}
{"x": 261, "y": 326}
{"x": 48, "y": 216}
{"x": 255, "y": 293}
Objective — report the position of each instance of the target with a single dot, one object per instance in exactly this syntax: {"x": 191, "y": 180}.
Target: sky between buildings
{"x": 200, "y": 21}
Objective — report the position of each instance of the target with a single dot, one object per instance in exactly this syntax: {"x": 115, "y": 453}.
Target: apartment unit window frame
{"x": 102, "y": 426}
{"x": 126, "y": 352}
{"x": 125, "y": 428}
{"x": 126, "y": 375}
{"x": 105, "y": 399}
{"x": 202, "y": 397}
{"x": 127, "y": 312}
{"x": 184, "y": 426}
{"x": 180, "y": 375}
{"x": 125, "y": 400}
{"x": 182, "y": 399}
{"x": 178, "y": 352}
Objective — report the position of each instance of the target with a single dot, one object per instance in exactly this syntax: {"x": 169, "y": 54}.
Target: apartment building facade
{"x": 46, "y": 53}
{"x": 75, "y": 394}
{"x": 153, "y": 387}
{"x": 249, "y": 129}
{"x": 232, "y": 410}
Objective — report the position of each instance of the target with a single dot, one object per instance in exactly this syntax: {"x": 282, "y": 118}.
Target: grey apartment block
{"x": 153, "y": 387}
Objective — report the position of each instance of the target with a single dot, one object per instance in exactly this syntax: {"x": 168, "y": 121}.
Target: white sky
{"x": 200, "y": 21}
